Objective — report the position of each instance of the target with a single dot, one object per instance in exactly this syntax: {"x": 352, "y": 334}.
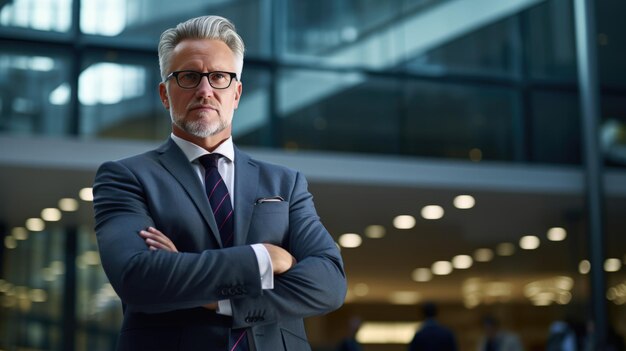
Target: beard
{"x": 201, "y": 127}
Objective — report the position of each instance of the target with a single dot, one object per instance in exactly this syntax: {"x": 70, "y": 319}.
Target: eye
{"x": 188, "y": 77}
{"x": 218, "y": 77}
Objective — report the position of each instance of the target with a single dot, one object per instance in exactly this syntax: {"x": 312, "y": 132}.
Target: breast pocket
{"x": 270, "y": 223}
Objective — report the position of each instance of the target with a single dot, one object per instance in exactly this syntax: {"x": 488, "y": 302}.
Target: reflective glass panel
{"x": 35, "y": 93}
{"x": 459, "y": 121}
{"x": 98, "y": 308}
{"x": 120, "y": 99}
{"x": 31, "y": 289}
{"x": 141, "y": 22}
{"x": 338, "y": 111}
{"x": 39, "y": 15}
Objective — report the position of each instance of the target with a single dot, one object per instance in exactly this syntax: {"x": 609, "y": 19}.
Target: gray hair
{"x": 205, "y": 27}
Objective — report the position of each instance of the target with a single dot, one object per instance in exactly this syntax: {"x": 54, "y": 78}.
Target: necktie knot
{"x": 209, "y": 160}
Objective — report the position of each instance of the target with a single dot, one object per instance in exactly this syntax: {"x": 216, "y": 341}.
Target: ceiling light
{"x": 386, "y": 332}
{"x": 442, "y": 268}
{"x": 462, "y": 261}
{"x": 361, "y": 289}
{"x": 483, "y": 255}
{"x": 86, "y": 194}
{"x": 51, "y": 214}
{"x": 529, "y": 242}
{"x": 557, "y": 234}
{"x": 68, "y": 204}
{"x": 38, "y": 295}
{"x": 35, "y": 224}
{"x": 374, "y": 231}
{"x": 19, "y": 233}
{"x": 404, "y": 222}
{"x": 404, "y": 297}
{"x": 505, "y": 249}
{"x": 10, "y": 242}
{"x": 422, "y": 275}
{"x": 432, "y": 212}
{"x": 350, "y": 240}
{"x": 464, "y": 202}
{"x": 584, "y": 267}
{"x": 612, "y": 264}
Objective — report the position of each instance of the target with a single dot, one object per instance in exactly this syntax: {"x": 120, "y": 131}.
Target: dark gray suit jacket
{"x": 161, "y": 291}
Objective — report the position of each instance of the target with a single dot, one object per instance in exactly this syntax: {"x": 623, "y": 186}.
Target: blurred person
{"x": 498, "y": 339}
{"x": 561, "y": 337}
{"x": 432, "y": 336}
{"x": 350, "y": 343}
{"x": 208, "y": 248}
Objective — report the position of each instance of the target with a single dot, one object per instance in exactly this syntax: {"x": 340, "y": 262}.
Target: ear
{"x": 163, "y": 94}
{"x": 238, "y": 95}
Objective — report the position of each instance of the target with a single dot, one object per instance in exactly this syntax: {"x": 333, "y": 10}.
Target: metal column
{"x": 593, "y": 161}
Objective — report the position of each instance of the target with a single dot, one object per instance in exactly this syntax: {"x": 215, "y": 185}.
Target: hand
{"x": 282, "y": 260}
{"x": 157, "y": 240}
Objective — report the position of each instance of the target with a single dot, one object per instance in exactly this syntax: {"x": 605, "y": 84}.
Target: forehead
{"x": 208, "y": 54}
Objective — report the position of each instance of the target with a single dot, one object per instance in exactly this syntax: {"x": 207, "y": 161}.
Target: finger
{"x": 158, "y": 245}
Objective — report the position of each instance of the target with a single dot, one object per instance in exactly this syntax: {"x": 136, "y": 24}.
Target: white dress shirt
{"x": 226, "y": 168}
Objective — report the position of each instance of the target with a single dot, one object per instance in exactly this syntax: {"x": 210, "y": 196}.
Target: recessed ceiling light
{"x": 584, "y": 267}
{"x": 375, "y": 231}
{"x": 86, "y": 194}
{"x": 441, "y": 268}
{"x": 68, "y": 204}
{"x": 612, "y": 264}
{"x": 557, "y": 234}
{"x": 19, "y": 233}
{"x": 505, "y": 249}
{"x": 404, "y": 297}
{"x": 464, "y": 202}
{"x": 462, "y": 261}
{"x": 422, "y": 275}
{"x": 10, "y": 242}
{"x": 361, "y": 289}
{"x": 432, "y": 212}
{"x": 350, "y": 240}
{"x": 386, "y": 332}
{"x": 529, "y": 242}
{"x": 51, "y": 214}
{"x": 483, "y": 255}
{"x": 35, "y": 224}
{"x": 404, "y": 222}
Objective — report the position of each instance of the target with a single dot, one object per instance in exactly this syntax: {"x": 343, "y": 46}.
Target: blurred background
{"x": 462, "y": 117}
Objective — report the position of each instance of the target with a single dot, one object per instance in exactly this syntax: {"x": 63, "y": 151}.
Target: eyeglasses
{"x": 191, "y": 79}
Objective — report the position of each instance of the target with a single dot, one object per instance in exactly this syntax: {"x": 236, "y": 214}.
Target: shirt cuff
{"x": 266, "y": 271}
{"x": 223, "y": 307}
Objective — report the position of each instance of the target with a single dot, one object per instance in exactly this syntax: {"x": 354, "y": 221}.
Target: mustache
{"x": 202, "y": 105}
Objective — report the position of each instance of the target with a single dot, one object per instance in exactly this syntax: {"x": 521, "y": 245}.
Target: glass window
{"x": 611, "y": 47}
{"x": 251, "y": 122}
{"x": 555, "y": 135}
{"x": 338, "y": 111}
{"x": 550, "y": 41}
{"x": 39, "y": 15}
{"x": 139, "y": 23}
{"x": 35, "y": 92}
{"x": 98, "y": 308}
{"x": 487, "y": 51}
{"x": 459, "y": 121}
{"x": 119, "y": 98}
{"x": 31, "y": 290}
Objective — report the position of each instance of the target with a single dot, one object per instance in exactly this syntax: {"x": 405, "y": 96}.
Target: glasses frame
{"x": 175, "y": 74}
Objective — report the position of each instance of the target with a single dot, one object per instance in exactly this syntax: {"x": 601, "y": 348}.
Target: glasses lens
{"x": 219, "y": 80}
{"x": 188, "y": 79}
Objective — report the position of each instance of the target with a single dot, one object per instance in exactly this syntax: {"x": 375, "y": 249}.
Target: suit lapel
{"x": 175, "y": 161}
{"x": 246, "y": 183}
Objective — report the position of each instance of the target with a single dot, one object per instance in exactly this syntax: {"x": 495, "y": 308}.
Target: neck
{"x": 209, "y": 143}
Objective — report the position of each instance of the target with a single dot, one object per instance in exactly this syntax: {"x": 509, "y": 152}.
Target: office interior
{"x": 443, "y": 141}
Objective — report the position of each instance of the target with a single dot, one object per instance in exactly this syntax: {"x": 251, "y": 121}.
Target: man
{"x": 432, "y": 336}
{"x": 498, "y": 339}
{"x": 208, "y": 248}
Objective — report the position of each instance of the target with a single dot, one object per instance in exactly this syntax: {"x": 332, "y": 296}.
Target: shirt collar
{"x": 193, "y": 151}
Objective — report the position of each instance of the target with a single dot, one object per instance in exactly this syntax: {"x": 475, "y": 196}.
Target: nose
{"x": 204, "y": 88}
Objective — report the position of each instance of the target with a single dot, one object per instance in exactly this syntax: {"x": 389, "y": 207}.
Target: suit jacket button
{"x": 249, "y": 320}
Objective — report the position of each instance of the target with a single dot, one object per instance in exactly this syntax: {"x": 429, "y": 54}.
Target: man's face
{"x": 202, "y": 111}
